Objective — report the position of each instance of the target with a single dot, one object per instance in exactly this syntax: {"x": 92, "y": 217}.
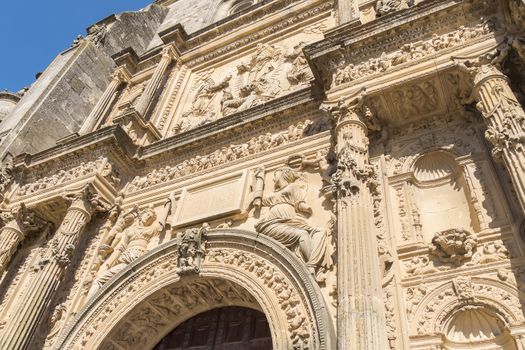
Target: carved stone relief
{"x": 285, "y": 221}
{"x": 346, "y": 70}
{"x": 430, "y": 310}
{"x": 223, "y": 155}
{"x": 271, "y": 71}
{"x": 453, "y": 246}
{"x": 101, "y": 165}
{"x": 228, "y": 276}
{"x": 130, "y": 243}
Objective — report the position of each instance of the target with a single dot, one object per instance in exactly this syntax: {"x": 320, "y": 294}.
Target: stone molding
{"x": 155, "y": 271}
{"x": 387, "y": 36}
{"x": 435, "y": 307}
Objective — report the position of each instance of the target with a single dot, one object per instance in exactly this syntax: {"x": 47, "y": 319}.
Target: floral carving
{"x": 453, "y": 246}
{"x": 347, "y": 71}
{"x": 223, "y": 155}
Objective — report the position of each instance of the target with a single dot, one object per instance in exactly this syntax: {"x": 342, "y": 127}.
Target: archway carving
{"x": 436, "y": 308}
{"x": 143, "y": 303}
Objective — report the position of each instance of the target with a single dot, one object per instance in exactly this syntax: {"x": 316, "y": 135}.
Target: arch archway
{"x": 148, "y": 299}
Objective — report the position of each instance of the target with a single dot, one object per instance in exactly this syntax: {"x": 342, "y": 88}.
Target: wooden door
{"x": 229, "y": 328}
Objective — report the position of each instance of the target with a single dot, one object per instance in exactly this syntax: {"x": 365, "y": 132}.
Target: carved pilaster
{"x": 40, "y": 286}
{"x": 360, "y": 314}
{"x": 19, "y": 223}
{"x": 119, "y": 76}
{"x": 168, "y": 54}
{"x": 504, "y": 117}
{"x": 348, "y": 11}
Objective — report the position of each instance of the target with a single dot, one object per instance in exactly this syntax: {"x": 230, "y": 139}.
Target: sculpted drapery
{"x": 285, "y": 220}
{"x": 130, "y": 243}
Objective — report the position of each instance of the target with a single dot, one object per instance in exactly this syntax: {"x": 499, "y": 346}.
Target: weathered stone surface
{"x": 326, "y": 163}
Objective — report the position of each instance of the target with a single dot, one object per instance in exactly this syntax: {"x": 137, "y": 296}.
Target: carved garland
{"x": 429, "y": 314}
{"x": 347, "y": 72}
{"x": 298, "y": 320}
{"x": 220, "y": 156}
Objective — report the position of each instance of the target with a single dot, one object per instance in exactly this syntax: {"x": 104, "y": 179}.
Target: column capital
{"x": 121, "y": 75}
{"x": 23, "y": 220}
{"x": 169, "y": 52}
{"x": 87, "y": 201}
{"x": 350, "y": 110}
{"x": 352, "y": 119}
{"x": 484, "y": 66}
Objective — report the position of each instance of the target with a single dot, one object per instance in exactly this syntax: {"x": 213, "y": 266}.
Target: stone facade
{"x": 355, "y": 170}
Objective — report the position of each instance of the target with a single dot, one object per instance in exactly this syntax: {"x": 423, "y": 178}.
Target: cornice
{"x": 113, "y": 135}
{"x": 379, "y": 40}
{"x": 119, "y": 142}
{"x": 207, "y": 133}
{"x": 348, "y": 34}
{"x": 11, "y": 96}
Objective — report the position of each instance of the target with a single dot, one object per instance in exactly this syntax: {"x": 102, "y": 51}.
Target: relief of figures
{"x": 130, "y": 243}
{"x": 270, "y": 71}
{"x": 285, "y": 221}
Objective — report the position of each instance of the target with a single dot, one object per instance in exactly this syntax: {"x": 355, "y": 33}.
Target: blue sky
{"x": 33, "y": 32}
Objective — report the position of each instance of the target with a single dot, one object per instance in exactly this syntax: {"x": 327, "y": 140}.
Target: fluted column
{"x": 40, "y": 286}
{"x": 20, "y": 222}
{"x": 168, "y": 54}
{"x": 360, "y": 314}
{"x": 119, "y": 76}
{"x": 10, "y": 237}
{"x": 505, "y": 120}
{"x": 348, "y": 11}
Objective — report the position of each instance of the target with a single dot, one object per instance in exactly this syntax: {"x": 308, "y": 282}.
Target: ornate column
{"x": 19, "y": 223}
{"x": 505, "y": 120}
{"x": 360, "y": 314}
{"x": 119, "y": 76}
{"x": 40, "y": 286}
{"x": 168, "y": 54}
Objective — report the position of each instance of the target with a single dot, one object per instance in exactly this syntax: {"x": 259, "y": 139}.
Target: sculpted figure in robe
{"x": 285, "y": 221}
{"x": 131, "y": 244}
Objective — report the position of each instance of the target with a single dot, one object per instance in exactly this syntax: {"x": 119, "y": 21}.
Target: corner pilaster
{"x": 360, "y": 315}
{"x": 40, "y": 286}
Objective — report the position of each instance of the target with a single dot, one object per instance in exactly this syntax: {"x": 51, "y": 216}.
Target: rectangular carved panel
{"x": 212, "y": 200}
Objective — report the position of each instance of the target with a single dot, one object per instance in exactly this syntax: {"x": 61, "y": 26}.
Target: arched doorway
{"x": 149, "y": 298}
{"x": 227, "y": 328}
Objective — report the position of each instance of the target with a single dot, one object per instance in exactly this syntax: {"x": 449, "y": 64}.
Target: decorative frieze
{"x": 221, "y": 156}
{"x": 85, "y": 169}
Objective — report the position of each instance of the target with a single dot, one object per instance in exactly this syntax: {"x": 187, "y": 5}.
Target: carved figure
{"x": 201, "y": 112}
{"x": 284, "y": 223}
{"x": 131, "y": 244}
{"x": 190, "y": 249}
{"x": 300, "y": 73}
